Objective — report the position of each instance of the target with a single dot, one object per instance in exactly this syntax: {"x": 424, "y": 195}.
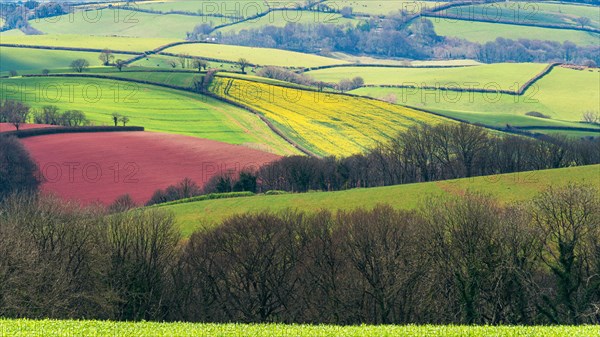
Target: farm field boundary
{"x": 519, "y": 92}
{"x": 59, "y": 130}
{"x": 222, "y": 99}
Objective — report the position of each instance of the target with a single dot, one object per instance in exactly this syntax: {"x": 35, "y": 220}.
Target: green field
{"x": 530, "y": 12}
{"x": 239, "y": 8}
{"x": 505, "y": 75}
{"x": 93, "y": 42}
{"x": 30, "y": 59}
{"x": 162, "y": 62}
{"x": 261, "y": 56}
{"x": 280, "y": 18}
{"x": 54, "y": 328}
{"x": 398, "y": 62}
{"x": 383, "y": 7}
{"x": 484, "y": 32}
{"x": 563, "y": 94}
{"x": 155, "y": 108}
{"x": 507, "y": 188}
{"x": 109, "y": 22}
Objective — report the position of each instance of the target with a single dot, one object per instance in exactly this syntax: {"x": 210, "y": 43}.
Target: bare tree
{"x": 172, "y": 63}
{"x": 243, "y": 63}
{"x": 199, "y": 64}
{"x": 120, "y": 64}
{"x": 124, "y": 120}
{"x": 183, "y": 60}
{"x": 583, "y": 21}
{"x": 568, "y": 219}
{"x": 116, "y": 118}
{"x": 15, "y": 113}
{"x": 79, "y": 65}
{"x": 106, "y": 56}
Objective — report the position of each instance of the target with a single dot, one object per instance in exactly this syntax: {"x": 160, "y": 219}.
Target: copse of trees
{"x": 391, "y": 37}
{"x": 51, "y": 115}
{"x": 461, "y": 259}
{"x": 425, "y": 153}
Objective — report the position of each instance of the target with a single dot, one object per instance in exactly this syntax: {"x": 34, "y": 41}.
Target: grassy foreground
{"x": 506, "y": 187}
{"x": 54, "y": 328}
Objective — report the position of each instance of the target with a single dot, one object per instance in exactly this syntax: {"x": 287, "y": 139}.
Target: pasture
{"x": 119, "y": 22}
{"x": 134, "y": 163}
{"x": 383, "y": 7}
{"x": 530, "y": 13}
{"x": 241, "y": 9}
{"x": 155, "y": 108}
{"x": 260, "y": 56}
{"x": 498, "y": 75}
{"x": 280, "y": 18}
{"x": 484, "y": 32}
{"x": 94, "y": 42}
{"x": 506, "y": 187}
{"x": 325, "y": 123}
{"x": 163, "y": 62}
{"x": 56, "y": 328}
{"x": 38, "y": 59}
{"x": 563, "y": 95}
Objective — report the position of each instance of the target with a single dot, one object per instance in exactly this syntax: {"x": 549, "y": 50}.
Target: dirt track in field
{"x": 99, "y": 167}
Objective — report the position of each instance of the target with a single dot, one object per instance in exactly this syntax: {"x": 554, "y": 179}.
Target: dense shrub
{"x": 18, "y": 172}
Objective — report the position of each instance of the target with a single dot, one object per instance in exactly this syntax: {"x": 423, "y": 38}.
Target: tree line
{"x": 392, "y": 37}
{"x": 18, "y": 113}
{"x": 463, "y": 259}
{"x": 419, "y": 154}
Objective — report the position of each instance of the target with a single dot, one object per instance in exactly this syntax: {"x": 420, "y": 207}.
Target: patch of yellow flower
{"x": 325, "y": 123}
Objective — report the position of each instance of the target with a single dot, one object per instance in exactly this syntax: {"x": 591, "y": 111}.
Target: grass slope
{"x": 506, "y": 187}
{"x": 483, "y": 32}
{"x": 382, "y": 7}
{"x": 261, "y": 56}
{"x": 530, "y": 13}
{"x": 280, "y": 18}
{"x": 30, "y": 59}
{"x": 55, "y": 328}
{"x": 505, "y": 75}
{"x": 564, "y": 95}
{"x": 86, "y": 41}
{"x": 238, "y": 8}
{"x": 326, "y": 124}
{"x": 120, "y": 23}
{"x": 155, "y": 108}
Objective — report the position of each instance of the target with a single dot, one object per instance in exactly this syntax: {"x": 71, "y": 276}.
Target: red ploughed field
{"x": 92, "y": 167}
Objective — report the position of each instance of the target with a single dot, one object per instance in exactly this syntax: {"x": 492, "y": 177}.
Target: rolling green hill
{"x": 506, "y": 187}
{"x": 87, "y": 41}
{"x": 563, "y": 95}
{"x": 505, "y": 75}
{"x": 261, "y": 56}
{"x": 108, "y": 22}
{"x": 383, "y": 7}
{"x": 530, "y": 13}
{"x": 483, "y": 32}
{"x": 280, "y": 18}
{"x": 32, "y": 59}
{"x": 156, "y": 108}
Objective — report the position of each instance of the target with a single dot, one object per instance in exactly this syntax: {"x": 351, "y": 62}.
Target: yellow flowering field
{"x": 324, "y": 123}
